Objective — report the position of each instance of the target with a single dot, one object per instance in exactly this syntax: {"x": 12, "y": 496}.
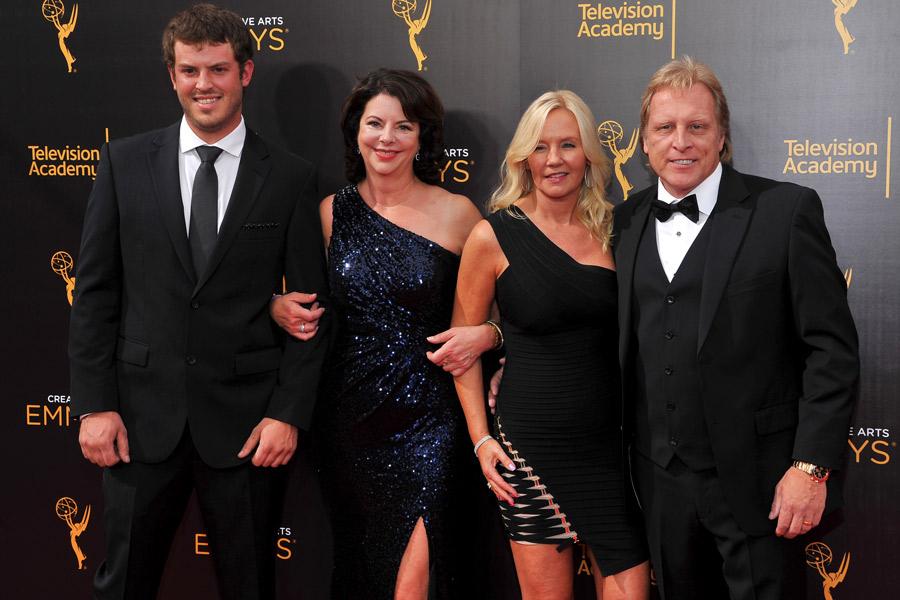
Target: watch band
{"x": 815, "y": 472}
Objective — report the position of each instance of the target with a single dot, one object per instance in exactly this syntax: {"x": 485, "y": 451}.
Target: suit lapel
{"x": 629, "y": 236}
{"x": 163, "y": 159}
{"x": 252, "y": 172}
{"x": 729, "y": 224}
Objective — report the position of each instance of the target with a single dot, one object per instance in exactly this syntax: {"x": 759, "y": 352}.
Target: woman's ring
{"x": 807, "y": 523}
{"x": 302, "y": 327}
{"x": 490, "y": 487}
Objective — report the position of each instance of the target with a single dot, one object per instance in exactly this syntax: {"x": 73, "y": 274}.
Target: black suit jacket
{"x": 166, "y": 347}
{"x": 777, "y": 348}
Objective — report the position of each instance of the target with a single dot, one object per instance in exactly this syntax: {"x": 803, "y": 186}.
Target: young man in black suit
{"x": 739, "y": 353}
{"x": 182, "y": 380}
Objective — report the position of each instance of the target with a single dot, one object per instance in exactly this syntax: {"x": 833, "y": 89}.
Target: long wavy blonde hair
{"x": 592, "y": 208}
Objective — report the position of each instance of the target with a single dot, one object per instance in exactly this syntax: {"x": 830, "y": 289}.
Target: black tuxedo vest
{"x": 669, "y": 418}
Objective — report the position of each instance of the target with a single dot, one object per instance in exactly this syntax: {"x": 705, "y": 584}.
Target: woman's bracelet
{"x": 481, "y": 442}
{"x": 498, "y": 334}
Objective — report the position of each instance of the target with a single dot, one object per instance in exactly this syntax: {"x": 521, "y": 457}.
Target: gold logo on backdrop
{"x": 627, "y": 20}
{"x": 611, "y": 133}
{"x": 405, "y": 9}
{"x": 848, "y": 276}
{"x": 52, "y": 11}
{"x": 61, "y": 262}
{"x": 67, "y": 510}
{"x": 841, "y": 8}
{"x": 841, "y": 157}
{"x": 819, "y": 556}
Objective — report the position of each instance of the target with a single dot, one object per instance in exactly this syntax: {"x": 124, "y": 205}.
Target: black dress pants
{"x": 144, "y": 504}
{"x": 697, "y": 548}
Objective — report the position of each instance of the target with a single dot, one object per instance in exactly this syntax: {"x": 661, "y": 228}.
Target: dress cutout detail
{"x": 560, "y": 401}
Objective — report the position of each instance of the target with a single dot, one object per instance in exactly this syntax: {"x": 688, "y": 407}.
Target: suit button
{"x": 670, "y": 406}
{"x": 668, "y": 370}
{"x": 190, "y": 359}
{"x": 669, "y": 335}
{"x": 195, "y": 305}
{"x": 673, "y": 442}
{"x": 670, "y": 299}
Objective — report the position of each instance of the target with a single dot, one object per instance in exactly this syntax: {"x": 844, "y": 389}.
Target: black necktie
{"x": 204, "y": 208}
{"x": 686, "y": 206}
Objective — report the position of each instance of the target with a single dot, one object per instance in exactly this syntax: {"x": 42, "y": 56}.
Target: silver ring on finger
{"x": 490, "y": 485}
{"x": 302, "y": 327}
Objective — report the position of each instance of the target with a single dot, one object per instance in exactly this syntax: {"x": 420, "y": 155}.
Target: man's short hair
{"x": 681, "y": 74}
{"x": 207, "y": 24}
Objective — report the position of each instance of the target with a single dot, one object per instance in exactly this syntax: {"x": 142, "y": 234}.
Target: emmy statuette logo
{"x": 67, "y": 510}
{"x": 611, "y": 133}
{"x": 61, "y": 262}
{"x": 848, "y": 276}
{"x": 405, "y": 9}
{"x": 819, "y": 556}
{"x": 53, "y": 10}
{"x": 841, "y": 8}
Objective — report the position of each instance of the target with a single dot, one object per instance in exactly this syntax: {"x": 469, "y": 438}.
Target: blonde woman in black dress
{"x": 556, "y": 463}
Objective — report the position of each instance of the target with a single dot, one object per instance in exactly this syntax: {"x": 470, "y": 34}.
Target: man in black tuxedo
{"x": 739, "y": 353}
{"x": 182, "y": 380}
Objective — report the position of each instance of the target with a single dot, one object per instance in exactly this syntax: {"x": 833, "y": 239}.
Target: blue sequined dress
{"x": 389, "y": 423}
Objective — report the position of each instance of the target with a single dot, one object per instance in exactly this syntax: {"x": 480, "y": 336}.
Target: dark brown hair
{"x": 207, "y": 24}
{"x": 420, "y": 105}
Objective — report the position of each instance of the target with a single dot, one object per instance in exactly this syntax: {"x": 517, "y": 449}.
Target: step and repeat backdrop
{"x": 813, "y": 92}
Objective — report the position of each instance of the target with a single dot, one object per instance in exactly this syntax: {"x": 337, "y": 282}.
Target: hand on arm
{"x": 481, "y": 261}
{"x": 294, "y": 397}
{"x": 461, "y": 346}
{"x": 290, "y": 314}
{"x": 275, "y": 442}
{"x": 103, "y": 438}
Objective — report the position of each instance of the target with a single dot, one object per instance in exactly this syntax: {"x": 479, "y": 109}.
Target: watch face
{"x": 820, "y": 472}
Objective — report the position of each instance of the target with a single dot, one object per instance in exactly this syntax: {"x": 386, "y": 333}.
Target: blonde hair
{"x": 681, "y": 74}
{"x": 592, "y": 208}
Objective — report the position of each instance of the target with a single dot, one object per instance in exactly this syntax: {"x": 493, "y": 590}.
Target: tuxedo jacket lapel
{"x": 728, "y": 226}
{"x": 629, "y": 237}
{"x": 252, "y": 172}
{"x": 163, "y": 163}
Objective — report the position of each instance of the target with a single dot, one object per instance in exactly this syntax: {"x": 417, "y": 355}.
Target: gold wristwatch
{"x": 815, "y": 472}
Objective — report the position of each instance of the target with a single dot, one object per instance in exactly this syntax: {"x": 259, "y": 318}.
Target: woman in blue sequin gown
{"x": 388, "y": 431}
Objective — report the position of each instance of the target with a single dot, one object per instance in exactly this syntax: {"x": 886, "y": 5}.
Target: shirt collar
{"x": 707, "y": 192}
{"x": 233, "y": 143}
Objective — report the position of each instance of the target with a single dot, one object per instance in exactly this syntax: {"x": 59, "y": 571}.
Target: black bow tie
{"x": 686, "y": 206}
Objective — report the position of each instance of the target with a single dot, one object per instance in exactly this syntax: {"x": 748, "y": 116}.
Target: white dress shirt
{"x": 226, "y": 166}
{"x": 675, "y": 236}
